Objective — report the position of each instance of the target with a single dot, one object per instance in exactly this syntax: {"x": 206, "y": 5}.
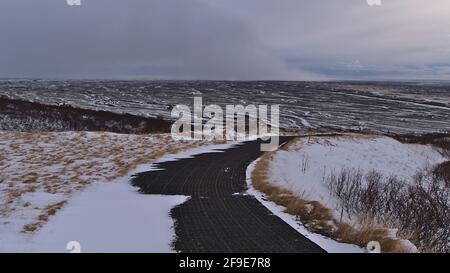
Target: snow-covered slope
{"x": 304, "y": 166}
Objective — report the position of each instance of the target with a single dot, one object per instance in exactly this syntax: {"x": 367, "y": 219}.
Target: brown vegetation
{"x": 28, "y": 116}
{"x": 318, "y": 218}
{"x": 419, "y": 211}
{"x": 50, "y": 210}
{"x": 59, "y": 164}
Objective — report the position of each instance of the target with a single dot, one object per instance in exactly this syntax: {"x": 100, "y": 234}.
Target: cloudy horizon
{"x": 226, "y": 39}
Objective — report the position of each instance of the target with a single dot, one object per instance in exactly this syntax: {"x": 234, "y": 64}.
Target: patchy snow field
{"x": 303, "y": 168}
{"x": 41, "y": 172}
{"x": 346, "y": 176}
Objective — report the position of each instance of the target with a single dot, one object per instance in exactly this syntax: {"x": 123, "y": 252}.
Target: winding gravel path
{"x": 219, "y": 217}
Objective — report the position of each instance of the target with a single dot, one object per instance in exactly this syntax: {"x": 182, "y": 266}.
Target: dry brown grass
{"x": 50, "y": 210}
{"x": 60, "y": 164}
{"x": 318, "y": 218}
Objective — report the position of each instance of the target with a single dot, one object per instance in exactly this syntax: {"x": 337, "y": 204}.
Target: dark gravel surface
{"x": 219, "y": 217}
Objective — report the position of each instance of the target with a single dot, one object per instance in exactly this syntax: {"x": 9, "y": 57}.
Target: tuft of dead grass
{"x": 49, "y": 210}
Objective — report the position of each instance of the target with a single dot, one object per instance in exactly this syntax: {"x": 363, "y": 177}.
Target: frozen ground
{"x": 304, "y": 167}
{"x": 105, "y": 216}
{"x": 40, "y": 172}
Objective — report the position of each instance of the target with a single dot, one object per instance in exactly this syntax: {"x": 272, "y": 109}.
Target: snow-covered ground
{"x": 303, "y": 168}
{"x": 105, "y": 215}
{"x": 40, "y": 173}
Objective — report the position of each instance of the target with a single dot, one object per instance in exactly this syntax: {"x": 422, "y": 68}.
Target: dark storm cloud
{"x": 222, "y": 39}
{"x": 102, "y": 38}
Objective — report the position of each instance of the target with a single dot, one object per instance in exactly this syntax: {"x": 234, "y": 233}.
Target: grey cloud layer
{"x": 221, "y": 39}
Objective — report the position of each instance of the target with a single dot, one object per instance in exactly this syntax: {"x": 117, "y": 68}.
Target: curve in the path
{"x": 219, "y": 217}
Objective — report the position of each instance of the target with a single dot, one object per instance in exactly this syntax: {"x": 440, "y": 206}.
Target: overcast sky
{"x": 226, "y": 39}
